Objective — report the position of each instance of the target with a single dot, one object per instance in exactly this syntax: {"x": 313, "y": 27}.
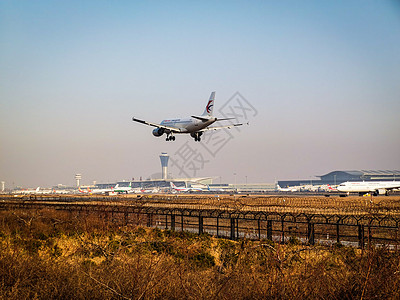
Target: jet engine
{"x": 158, "y": 131}
{"x": 382, "y": 192}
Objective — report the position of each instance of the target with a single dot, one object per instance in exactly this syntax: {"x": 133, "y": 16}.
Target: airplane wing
{"x": 205, "y": 119}
{"x": 221, "y": 127}
{"x": 393, "y": 187}
{"x": 172, "y": 129}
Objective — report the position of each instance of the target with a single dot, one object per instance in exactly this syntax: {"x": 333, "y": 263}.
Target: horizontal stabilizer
{"x": 224, "y": 119}
{"x": 204, "y": 119}
{"x": 222, "y": 127}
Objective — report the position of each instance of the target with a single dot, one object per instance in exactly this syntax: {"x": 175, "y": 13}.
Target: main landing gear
{"x": 170, "y": 138}
{"x": 196, "y": 136}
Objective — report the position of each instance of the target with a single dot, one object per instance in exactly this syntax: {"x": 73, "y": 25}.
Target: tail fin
{"x": 210, "y": 106}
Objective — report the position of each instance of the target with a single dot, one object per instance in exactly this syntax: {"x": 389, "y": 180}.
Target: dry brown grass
{"x": 59, "y": 255}
{"x": 389, "y": 205}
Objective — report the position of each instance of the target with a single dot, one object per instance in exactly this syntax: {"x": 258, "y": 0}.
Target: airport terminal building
{"x": 333, "y": 178}
{"x": 337, "y": 177}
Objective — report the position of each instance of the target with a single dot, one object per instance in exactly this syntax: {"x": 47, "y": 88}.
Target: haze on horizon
{"x": 322, "y": 76}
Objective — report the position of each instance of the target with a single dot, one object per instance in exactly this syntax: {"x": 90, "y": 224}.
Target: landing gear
{"x": 170, "y": 138}
{"x": 196, "y": 136}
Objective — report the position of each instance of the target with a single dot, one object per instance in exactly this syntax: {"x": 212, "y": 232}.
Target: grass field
{"x": 315, "y": 204}
{"x": 47, "y": 254}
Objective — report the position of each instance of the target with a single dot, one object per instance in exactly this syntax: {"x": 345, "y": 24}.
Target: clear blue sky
{"x": 324, "y": 77}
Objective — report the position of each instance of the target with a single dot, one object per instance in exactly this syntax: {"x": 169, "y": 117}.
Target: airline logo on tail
{"x": 174, "y": 186}
{"x": 209, "y": 106}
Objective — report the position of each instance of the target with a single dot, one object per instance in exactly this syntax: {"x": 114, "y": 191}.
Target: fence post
{"x": 310, "y": 236}
{"x": 259, "y": 228}
{"x": 173, "y": 222}
{"x": 237, "y": 228}
{"x": 233, "y": 229}
{"x": 149, "y": 220}
{"x": 126, "y": 218}
{"x": 200, "y": 224}
{"x": 337, "y": 233}
{"x": 282, "y": 230}
{"x": 182, "y": 223}
{"x": 361, "y": 236}
{"x": 166, "y": 221}
{"x": 369, "y": 236}
{"x": 269, "y": 230}
{"x": 217, "y": 226}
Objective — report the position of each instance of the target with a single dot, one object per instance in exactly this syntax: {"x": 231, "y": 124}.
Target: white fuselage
{"x": 188, "y": 125}
{"x": 368, "y": 186}
{"x": 100, "y": 191}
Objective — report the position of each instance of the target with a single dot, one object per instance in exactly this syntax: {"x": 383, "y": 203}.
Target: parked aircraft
{"x": 195, "y": 125}
{"x": 364, "y": 187}
{"x": 114, "y": 190}
{"x": 84, "y": 191}
{"x": 60, "y": 191}
{"x": 288, "y": 189}
{"x": 214, "y": 189}
{"x": 332, "y": 188}
{"x": 123, "y": 189}
{"x": 102, "y": 191}
{"x": 36, "y": 191}
{"x": 25, "y": 192}
{"x": 42, "y": 192}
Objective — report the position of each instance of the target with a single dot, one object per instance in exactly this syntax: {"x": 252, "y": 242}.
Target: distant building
{"x": 337, "y": 177}
{"x": 159, "y": 183}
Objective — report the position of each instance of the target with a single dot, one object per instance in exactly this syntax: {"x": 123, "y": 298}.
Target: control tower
{"x": 78, "y": 178}
{"x": 164, "y": 165}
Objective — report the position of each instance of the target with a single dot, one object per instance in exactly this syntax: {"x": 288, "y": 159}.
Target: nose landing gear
{"x": 170, "y": 138}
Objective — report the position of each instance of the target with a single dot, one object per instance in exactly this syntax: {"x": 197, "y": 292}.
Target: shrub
{"x": 203, "y": 260}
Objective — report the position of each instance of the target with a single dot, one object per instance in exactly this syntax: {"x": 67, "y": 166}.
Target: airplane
{"x": 60, "y": 191}
{"x": 179, "y": 189}
{"x": 332, "y": 189}
{"x": 288, "y": 189}
{"x": 25, "y": 192}
{"x": 365, "y": 187}
{"x": 46, "y": 191}
{"x": 123, "y": 189}
{"x": 195, "y": 125}
{"x": 308, "y": 188}
{"x": 214, "y": 189}
{"x": 113, "y": 190}
{"x": 87, "y": 191}
{"x": 101, "y": 191}
{"x": 37, "y": 191}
